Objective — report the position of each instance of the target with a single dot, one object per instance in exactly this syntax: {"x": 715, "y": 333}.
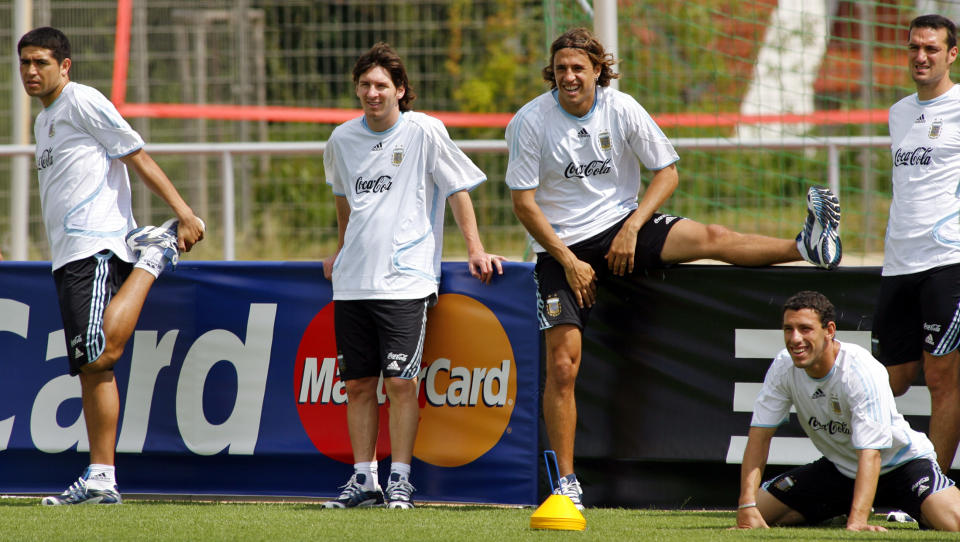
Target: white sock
{"x": 369, "y": 469}
{"x": 152, "y": 261}
{"x": 100, "y": 476}
{"x": 401, "y": 468}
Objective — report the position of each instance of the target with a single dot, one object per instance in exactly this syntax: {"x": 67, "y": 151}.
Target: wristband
{"x": 747, "y": 505}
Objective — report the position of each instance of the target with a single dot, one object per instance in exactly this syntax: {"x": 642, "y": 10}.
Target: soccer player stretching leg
{"x": 574, "y": 171}
{"x": 871, "y": 456}
{"x": 84, "y": 148}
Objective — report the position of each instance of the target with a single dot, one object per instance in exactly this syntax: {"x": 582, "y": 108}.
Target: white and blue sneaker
{"x": 899, "y": 516}
{"x": 155, "y": 246}
{"x": 354, "y": 495}
{"x": 819, "y": 241}
{"x": 80, "y": 493}
{"x": 570, "y": 486}
{"x": 399, "y": 492}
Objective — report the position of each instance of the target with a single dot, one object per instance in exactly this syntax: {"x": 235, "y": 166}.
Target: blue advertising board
{"x": 229, "y": 386}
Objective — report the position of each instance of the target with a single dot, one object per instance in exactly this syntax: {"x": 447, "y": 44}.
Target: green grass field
{"x": 24, "y": 519}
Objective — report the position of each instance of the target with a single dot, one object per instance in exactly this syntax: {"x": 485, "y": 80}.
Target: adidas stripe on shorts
{"x": 84, "y": 288}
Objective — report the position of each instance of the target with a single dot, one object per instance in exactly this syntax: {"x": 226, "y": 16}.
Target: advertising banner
{"x": 672, "y": 363}
{"x": 229, "y": 386}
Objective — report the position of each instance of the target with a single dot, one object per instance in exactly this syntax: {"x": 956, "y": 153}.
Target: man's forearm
{"x": 865, "y": 486}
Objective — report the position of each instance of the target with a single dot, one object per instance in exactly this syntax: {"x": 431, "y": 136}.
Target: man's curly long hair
{"x": 583, "y": 39}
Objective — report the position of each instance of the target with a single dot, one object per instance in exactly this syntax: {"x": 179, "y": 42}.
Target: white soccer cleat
{"x": 399, "y": 492}
{"x": 899, "y": 516}
{"x": 570, "y": 486}
{"x": 163, "y": 237}
{"x": 353, "y": 494}
{"x": 819, "y": 241}
{"x": 79, "y": 493}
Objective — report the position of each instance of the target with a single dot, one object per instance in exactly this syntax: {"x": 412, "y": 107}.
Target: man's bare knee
{"x": 399, "y": 387}
{"x": 103, "y": 363}
{"x": 899, "y": 389}
{"x": 562, "y": 370}
{"x": 899, "y": 384}
{"x": 717, "y": 233}
{"x": 108, "y": 358}
{"x": 902, "y": 377}
{"x": 941, "y": 374}
{"x": 359, "y": 388}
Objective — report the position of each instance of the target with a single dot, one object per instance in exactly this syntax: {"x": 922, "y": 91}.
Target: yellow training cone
{"x": 559, "y": 513}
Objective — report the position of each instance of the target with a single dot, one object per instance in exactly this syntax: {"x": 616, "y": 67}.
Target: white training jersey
{"x": 850, "y": 409}
{"x": 397, "y": 183}
{"x": 923, "y": 230}
{"x": 84, "y": 189}
{"x": 585, "y": 169}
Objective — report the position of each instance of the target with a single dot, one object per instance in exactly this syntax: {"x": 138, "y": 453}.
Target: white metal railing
{"x": 226, "y": 151}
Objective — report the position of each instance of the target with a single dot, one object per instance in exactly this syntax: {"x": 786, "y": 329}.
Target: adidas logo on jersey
{"x": 920, "y": 119}
{"x": 583, "y": 133}
{"x": 929, "y": 340}
{"x": 393, "y": 366}
{"x": 818, "y": 394}
{"x": 378, "y": 146}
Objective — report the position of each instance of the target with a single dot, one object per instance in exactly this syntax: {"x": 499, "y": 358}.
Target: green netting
{"x": 686, "y": 57}
{"x": 678, "y": 58}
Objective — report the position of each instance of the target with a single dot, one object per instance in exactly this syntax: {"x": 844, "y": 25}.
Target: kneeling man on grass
{"x": 844, "y": 404}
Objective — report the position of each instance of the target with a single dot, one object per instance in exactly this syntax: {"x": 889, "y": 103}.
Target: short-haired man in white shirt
{"x": 574, "y": 171}
{"x": 845, "y": 405}
{"x": 103, "y": 266}
{"x": 917, "y": 319}
{"x": 392, "y": 170}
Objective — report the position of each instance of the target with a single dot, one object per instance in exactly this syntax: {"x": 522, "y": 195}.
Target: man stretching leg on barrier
{"x": 574, "y": 172}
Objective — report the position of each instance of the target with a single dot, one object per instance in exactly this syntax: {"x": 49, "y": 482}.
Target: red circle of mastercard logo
{"x": 468, "y": 386}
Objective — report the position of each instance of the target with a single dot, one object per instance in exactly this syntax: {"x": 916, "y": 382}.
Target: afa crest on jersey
{"x": 835, "y": 404}
{"x": 604, "y": 138}
{"x": 51, "y": 131}
{"x": 397, "y": 157}
{"x": 935, "y": 129}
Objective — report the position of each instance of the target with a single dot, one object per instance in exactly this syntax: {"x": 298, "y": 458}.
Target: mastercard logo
{"x": 468, "y": 386}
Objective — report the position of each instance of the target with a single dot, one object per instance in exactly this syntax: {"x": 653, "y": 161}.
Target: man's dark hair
{"x": 814, "y": 301}
{"x": 583, "y": 39}
{"x": 46, "y": 37}
{"x": 936, "y": 22}
{"x": 384, "y": 56}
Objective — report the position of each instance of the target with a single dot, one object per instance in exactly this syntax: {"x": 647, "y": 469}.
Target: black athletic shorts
{"x": 85, "y": 288}
{"x": 916, "y": 313}
{"x": 375, "y": 335}
{"x": 556, "y": 303}
{"x": 820, "y": 492}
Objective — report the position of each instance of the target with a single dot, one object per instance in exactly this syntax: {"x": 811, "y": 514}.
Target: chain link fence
{"x": 677, "y": 58}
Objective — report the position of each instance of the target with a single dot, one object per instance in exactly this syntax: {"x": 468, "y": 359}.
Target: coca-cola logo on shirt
{"x": 920, "y": 156}
{"x": 45, "y": 159}
{"x": 374, "y": 186}
{"x": 594, "y": 167}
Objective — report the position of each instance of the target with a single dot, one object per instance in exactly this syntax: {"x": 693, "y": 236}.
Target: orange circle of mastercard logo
{"x": 468, "y": 386}
{"x": 468, "y": 383}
